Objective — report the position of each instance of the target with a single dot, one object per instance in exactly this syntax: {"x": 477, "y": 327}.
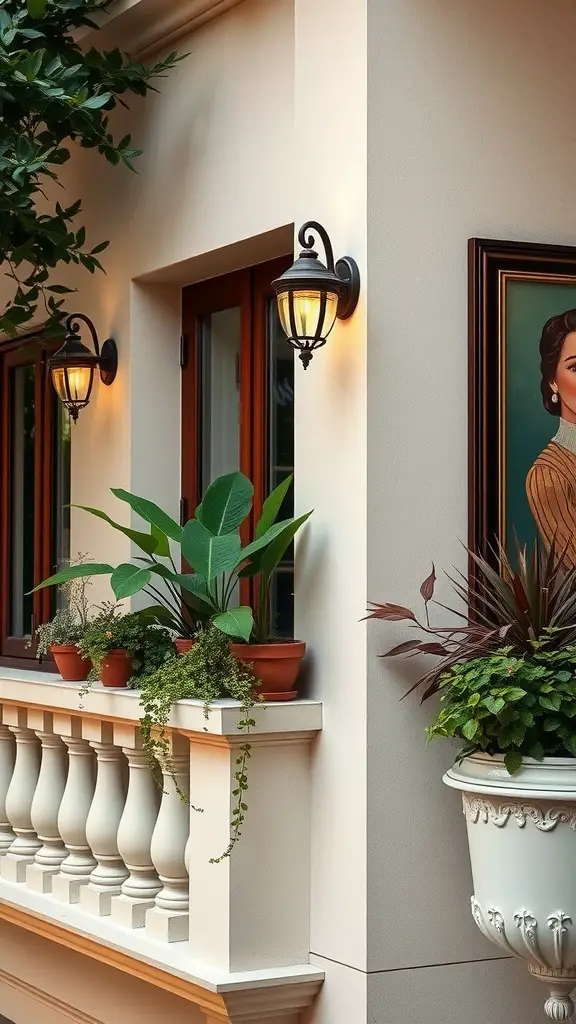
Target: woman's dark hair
{"x": 554, "y": 334}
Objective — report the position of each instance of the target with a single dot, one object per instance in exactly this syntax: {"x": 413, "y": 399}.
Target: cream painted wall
{"x": 213, "y": 180}
{"x": 471, "y": 132}
{"x": 331, "y": 415}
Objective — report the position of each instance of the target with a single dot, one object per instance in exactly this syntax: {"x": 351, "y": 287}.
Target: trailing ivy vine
{"x": 208, "y": 672}
{"x": 53, "y": 94}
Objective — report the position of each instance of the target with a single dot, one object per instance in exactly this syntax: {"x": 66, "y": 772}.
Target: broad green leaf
{"x": 469, "y": 729}
{"x": 277, "y": 549}
{"x": 36, "y": 8}
{"x": 513, "y": 761}
{"x": 128, "y": 579}
{"x": 272, "y": 506}
{"x": 145, "y": 541}
{"x": 75, "y": 572}
{"x": 265, "y": 539}
{"x": 193, "y": 583}
{"x": 150, "y": 512}
{"x": 226, "y": 504}
{"x": 208, "y": 554}
{"x": 157, "y": 613}
{"x": 570, "y": 744}
{"x": 237, "y": 622}
{"x": 162, "y": 549}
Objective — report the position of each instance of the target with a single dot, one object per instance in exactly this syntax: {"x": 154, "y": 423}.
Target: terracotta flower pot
{"x": 183, "y": 646}
{"x": 116, "y": 669}
{"x": 70, "y": 663}
{"x": 275, "y": 666}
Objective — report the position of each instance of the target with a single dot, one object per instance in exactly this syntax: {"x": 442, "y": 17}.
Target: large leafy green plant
{"x": 507, "y": 670}
{"x": 211, "y": 546}
{"x": 52, "y": 93}
{"x": 516, "y": 706}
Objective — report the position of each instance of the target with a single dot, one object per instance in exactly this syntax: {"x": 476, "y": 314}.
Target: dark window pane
{"x": 280, "y": 405}
{"x": 220, "y": 335}
{"x": 22, "y": 512}
{"x": 61, "y": 493}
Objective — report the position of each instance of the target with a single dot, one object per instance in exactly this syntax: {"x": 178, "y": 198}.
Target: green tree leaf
{"x": 36, "y": 8}
{"x": 226, "y": 504}
{"x": 237, "y": 622}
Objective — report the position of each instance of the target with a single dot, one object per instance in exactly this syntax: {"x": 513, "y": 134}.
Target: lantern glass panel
{"x": 72, "y": 383}
{"x": 307, "y": 313}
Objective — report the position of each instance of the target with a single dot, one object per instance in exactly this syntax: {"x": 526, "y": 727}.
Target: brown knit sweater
{"x": 551, "y": 490}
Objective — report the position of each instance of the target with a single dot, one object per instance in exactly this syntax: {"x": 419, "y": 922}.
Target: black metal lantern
{"x": 72, "y": 367}
{"x": 312, "y": 295}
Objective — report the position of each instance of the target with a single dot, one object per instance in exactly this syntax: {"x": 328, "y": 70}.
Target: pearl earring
{"x": 554, "y": 396}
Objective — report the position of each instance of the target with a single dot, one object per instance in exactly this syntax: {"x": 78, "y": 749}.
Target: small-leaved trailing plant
{"x": 507, "y": 674}
{"x": 148, "y": 644}
{"x": 70, "y": 621}
{"x": 210, "y": 544}
{"x": 208, "y": 672}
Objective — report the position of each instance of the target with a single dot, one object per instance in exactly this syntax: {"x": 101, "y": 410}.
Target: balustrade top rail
{"x": 50, "y": 692}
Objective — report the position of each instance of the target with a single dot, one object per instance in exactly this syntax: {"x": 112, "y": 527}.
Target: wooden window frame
{"x": 250, "y": 290}
{"x": 27, "y": 351}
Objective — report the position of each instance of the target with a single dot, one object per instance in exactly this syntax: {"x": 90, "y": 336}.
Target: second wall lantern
{"x": 72, "y": 367}
{"x": 311, "y": 295}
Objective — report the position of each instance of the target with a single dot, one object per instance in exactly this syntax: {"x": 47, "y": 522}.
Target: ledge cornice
{"x": 143, "y": 26}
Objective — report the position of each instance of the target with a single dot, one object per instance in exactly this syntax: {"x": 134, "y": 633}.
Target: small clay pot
{"x": 116, "y": 669}
{"x": 70, "y": 663}
{"x": 183, "y": 646}
{"x": 275, "y": 666}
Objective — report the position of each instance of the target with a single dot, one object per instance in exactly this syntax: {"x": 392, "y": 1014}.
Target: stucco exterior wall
{"x": 471, "y": 132}
{"x": 212, "y": 187}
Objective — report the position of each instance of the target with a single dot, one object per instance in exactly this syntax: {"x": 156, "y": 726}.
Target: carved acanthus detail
{"x": 479, "y": 809}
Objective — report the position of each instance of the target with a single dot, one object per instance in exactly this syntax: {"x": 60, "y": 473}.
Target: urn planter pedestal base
{"x": 522, "y": 840}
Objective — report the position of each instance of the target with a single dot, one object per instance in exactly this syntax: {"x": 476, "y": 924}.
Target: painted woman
{"x": 551, "y": 482}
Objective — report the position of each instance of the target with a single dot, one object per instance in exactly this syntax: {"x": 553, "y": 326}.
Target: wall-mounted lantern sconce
{"x": 311, "y": 295}
{"x": 72, "y": 366}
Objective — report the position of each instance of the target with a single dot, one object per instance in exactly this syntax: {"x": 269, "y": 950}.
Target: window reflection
{"x": 22, "y": 511}
{"x": 280, "y": 402}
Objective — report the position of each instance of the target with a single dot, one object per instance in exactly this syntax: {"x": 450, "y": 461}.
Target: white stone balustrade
{"x": 84, "y": 823}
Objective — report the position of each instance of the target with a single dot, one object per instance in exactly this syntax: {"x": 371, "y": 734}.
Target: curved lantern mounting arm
{"x": 73, "y": 327}
{"x": 309, "y": 242}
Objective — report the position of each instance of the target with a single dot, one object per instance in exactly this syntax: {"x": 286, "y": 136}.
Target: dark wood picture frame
{"x": 491, "y": 263}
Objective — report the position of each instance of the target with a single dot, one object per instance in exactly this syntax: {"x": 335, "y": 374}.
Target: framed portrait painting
{"x": 522, "y": 395}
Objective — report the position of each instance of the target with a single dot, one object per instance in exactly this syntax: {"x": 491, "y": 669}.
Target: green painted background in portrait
{"x": 529, "y": 428}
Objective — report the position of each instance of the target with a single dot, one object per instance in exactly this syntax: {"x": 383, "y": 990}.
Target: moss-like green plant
{"x": 149, "y": 645}
{"x": 208, "y": 672}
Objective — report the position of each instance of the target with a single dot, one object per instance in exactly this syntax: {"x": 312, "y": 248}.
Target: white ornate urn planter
{"x": 522, "y": 838}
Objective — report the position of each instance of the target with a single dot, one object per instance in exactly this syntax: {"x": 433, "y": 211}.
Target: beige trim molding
{"x": 231, "y": 1005}
{"x": 208, "y": 1001}
{"x": 145, "y": 26}
{"x": 46, "y": 1000}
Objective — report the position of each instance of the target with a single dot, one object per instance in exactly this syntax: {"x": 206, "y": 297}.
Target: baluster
{"x": 46, "y": 803}
{"x": 135, "y": 833}
{"x": 77, "y": 867}
{"x": 20, "y": 795}
{"x": 7, "y": 756}
{"x": 168, "y": 919}
{"x": 103, "y": 820}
